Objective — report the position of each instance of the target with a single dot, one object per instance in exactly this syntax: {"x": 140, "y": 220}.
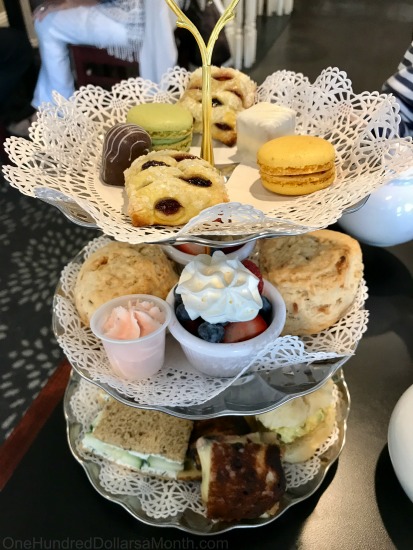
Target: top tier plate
{"x": 64, "y": 155}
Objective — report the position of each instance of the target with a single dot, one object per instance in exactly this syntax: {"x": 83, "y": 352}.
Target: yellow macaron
{"x": 296, "y": 165}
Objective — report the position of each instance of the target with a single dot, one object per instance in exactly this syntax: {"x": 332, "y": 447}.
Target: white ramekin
{"x": 224, "y": 360}
{"x": 183, "y": 258}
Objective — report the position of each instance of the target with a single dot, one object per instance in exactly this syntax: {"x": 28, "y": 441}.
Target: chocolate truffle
{"x": 123, "y": 144}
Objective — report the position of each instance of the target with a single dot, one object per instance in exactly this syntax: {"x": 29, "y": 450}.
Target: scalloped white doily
{"x": 178, "y": 383}
{"x": 64, "y": 154}
{"x": 161, "y": 498}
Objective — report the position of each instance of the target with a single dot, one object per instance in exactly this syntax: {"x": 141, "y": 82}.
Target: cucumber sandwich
{"x": 150, "y": 442}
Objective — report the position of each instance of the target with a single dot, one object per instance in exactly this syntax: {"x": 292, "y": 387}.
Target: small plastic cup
{"x": 137, "y": 358}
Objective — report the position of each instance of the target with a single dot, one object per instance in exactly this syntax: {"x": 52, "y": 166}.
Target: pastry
{"x": 170, "y": 188}
{"x": 242, "y": 476}
{"x": 317, "y": 274}
{"x": 123, "y": 143}
{"x": 260, "y": 123}
{"x": 296, "y": 165}
{"x": 232, "y": 92}
{"x": 170, "y": 126}
{"x": 118, "y": 269}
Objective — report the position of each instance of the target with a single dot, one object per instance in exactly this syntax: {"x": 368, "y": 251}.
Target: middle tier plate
{"x": 290, "y": 366}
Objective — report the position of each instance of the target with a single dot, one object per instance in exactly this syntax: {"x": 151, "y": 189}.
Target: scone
{"x": 317, "y": 274}
{"x": 118, "y": 269}
{"x": 169, "y": 188}
{"x": 296, "y": 165}
{"x": 232, "y": 92}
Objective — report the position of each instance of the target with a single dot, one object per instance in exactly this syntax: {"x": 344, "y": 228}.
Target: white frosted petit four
{"x": 261, "y": 123}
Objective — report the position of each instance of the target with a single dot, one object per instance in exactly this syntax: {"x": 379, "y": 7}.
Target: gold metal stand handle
{"x": 206, "y": 50}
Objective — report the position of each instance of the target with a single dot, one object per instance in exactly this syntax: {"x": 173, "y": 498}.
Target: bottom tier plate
{"x": 188, "y": 519}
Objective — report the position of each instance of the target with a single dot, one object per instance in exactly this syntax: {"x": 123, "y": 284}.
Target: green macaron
{"x": 170, "y": 126}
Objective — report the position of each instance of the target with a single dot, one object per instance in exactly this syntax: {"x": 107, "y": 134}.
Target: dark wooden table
{"x": 49, "y": 500}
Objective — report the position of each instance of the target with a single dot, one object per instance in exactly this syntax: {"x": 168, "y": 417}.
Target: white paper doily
{"x": 178, "y": 383}
{"x": 64, "y": 154}
{"x": 162, "y": 498}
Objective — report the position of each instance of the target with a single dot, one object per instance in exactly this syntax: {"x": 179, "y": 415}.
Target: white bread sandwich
{"x": 149, "y": 442}
{"x": 302, "y": 424}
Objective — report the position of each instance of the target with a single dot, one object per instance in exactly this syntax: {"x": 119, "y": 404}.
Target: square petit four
{"x": 261, "y": 123}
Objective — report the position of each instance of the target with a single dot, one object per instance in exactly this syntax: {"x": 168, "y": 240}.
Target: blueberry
{"x": 210, "y": 332}
{"x": 266, "y": 310}
{"x": 181, "y": 313}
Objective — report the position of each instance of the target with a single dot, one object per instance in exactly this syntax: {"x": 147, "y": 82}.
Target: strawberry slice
{"x": 255, "y": 270}
{"x": 244, "y": 330}
{"x": 192, "y": 248}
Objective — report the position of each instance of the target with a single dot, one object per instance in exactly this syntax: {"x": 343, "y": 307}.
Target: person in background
{"x": 400, "y": 84}
{"x": 141, "y": 30}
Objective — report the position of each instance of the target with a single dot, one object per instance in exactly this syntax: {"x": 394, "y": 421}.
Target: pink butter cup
{"x": 138, "y": 358}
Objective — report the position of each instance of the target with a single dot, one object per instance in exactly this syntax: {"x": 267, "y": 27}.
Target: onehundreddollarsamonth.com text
{"x": 115, "y": 543}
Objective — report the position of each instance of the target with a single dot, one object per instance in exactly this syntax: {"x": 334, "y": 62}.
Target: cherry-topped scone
{"x": 171, "y": 187}
{"x": 224, "y": 313}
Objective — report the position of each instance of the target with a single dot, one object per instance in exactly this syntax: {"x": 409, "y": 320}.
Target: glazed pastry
{"x": 170, "y": 188}
{"x": 242, "y": 476}
{"x": 260, "y": 123}
{"x": 232, "y": 92}
{"x": 296, "y": 165}
{"x": 123, "y": 143}
{"x": 317, "y": 274}
{"x": 170, "y": 126}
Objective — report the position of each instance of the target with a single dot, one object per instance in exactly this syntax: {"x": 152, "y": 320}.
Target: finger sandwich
{"x": 147, "y": 441}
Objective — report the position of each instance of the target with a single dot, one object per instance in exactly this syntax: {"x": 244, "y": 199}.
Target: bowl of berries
{"x": 184, "y": 253}
{"x": 224, "y": 313}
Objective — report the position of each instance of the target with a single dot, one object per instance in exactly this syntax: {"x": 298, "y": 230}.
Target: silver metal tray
{"x": 189, "y": 521}
{"x": 252, "y": 393}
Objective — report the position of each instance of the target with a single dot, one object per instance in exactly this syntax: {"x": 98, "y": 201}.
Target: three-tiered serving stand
{"x": 60, "y": 166}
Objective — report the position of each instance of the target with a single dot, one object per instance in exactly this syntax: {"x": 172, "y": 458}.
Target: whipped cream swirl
{"x": 219, "y": 290}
